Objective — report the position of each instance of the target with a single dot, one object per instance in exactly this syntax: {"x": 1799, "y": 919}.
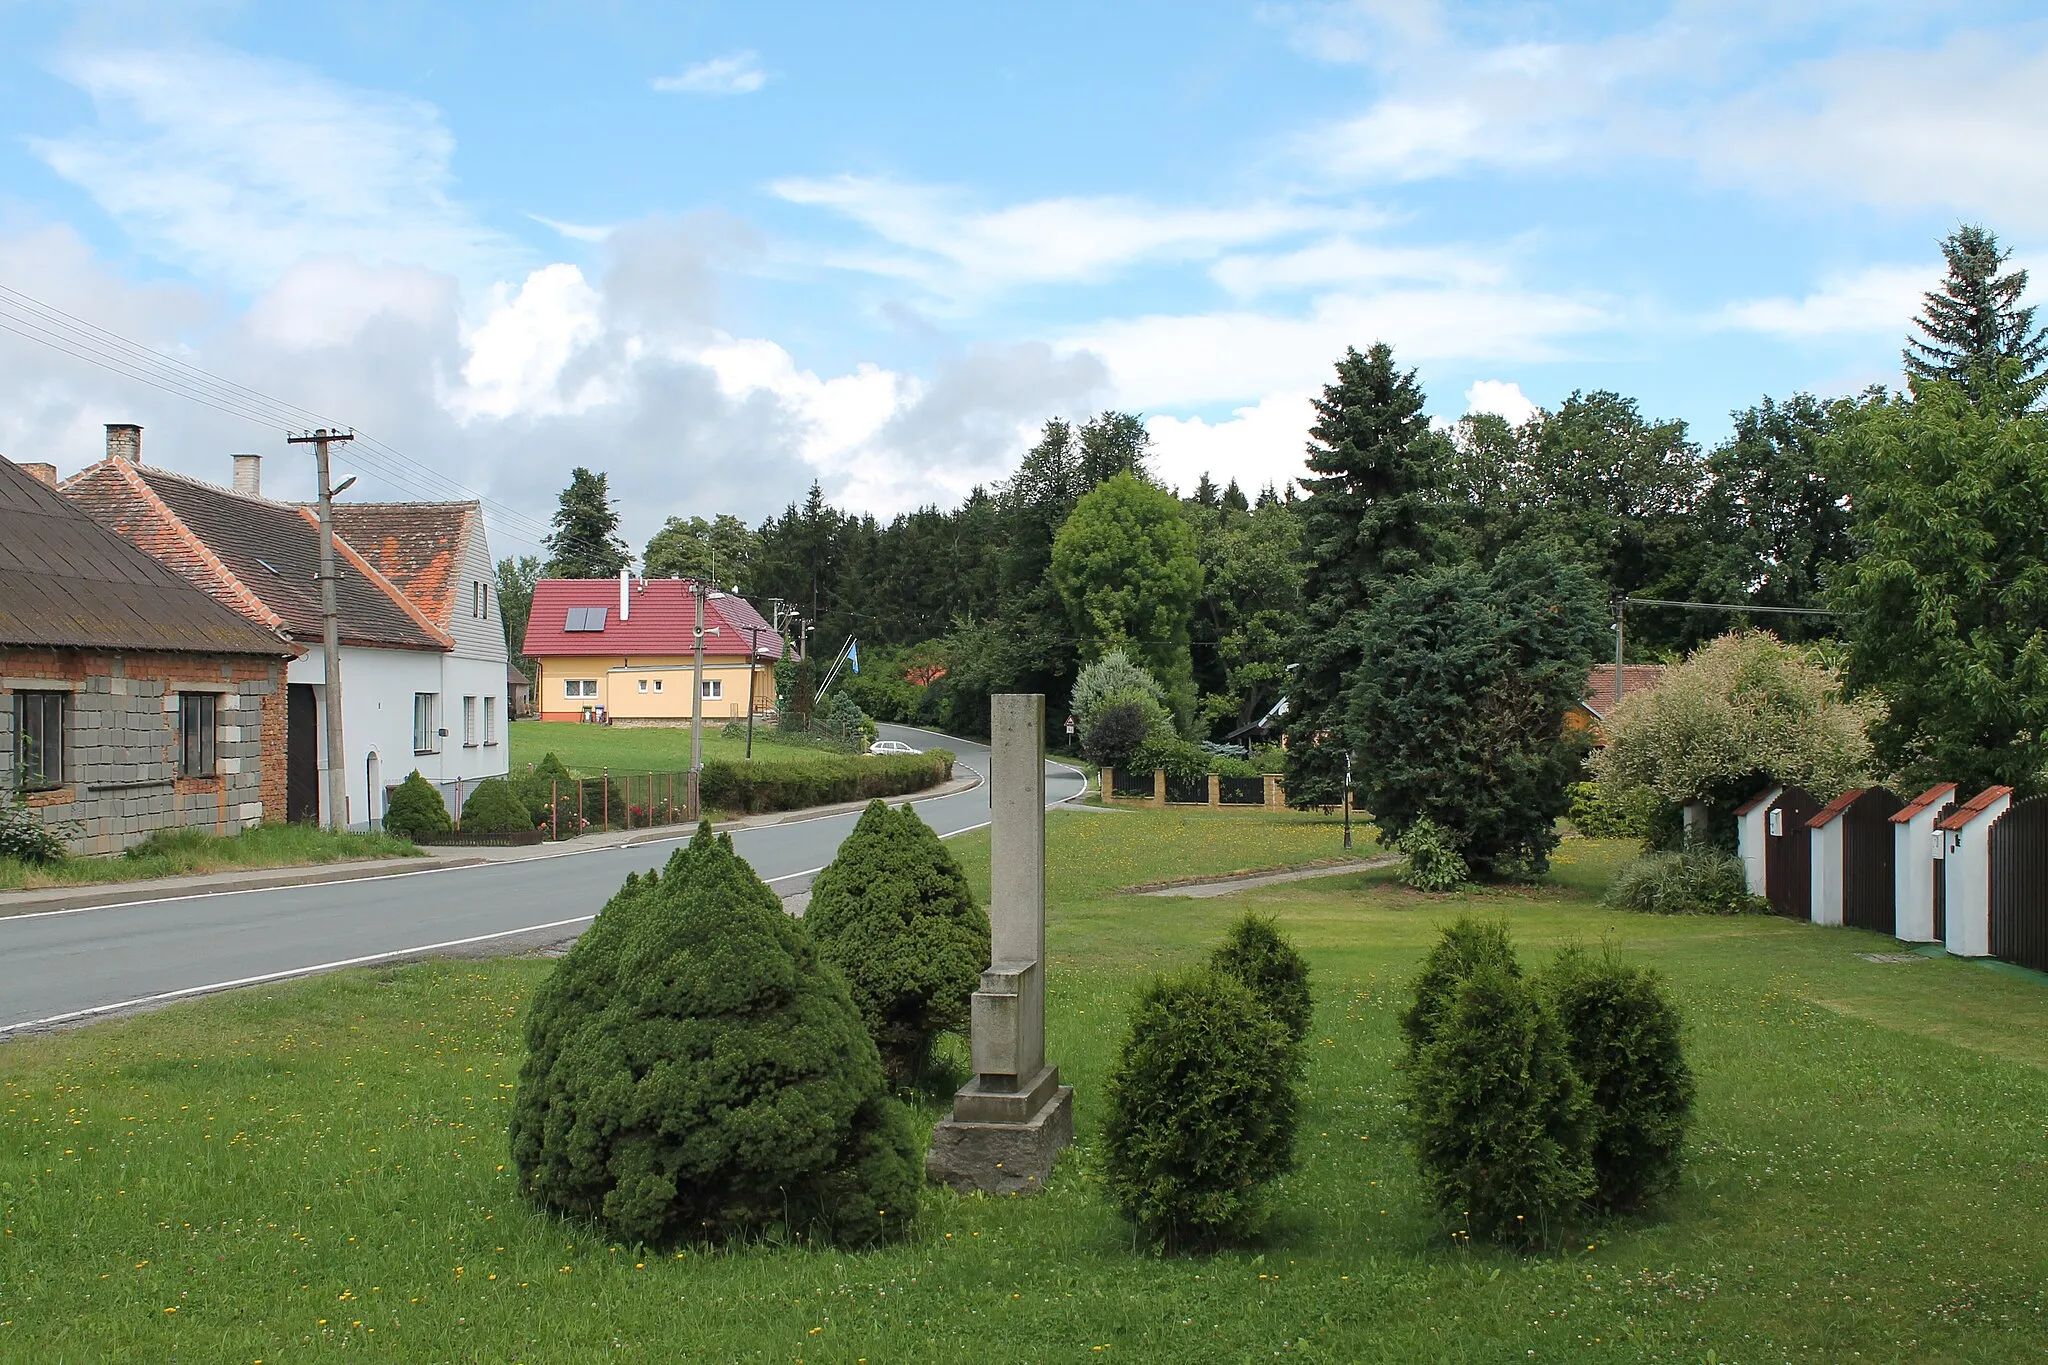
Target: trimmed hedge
{"x": 493, "y": 809}
{"x": 752, "y": 788}
{"x": 416, "y": 810}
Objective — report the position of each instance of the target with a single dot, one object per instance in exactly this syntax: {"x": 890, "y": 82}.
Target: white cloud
{"x": 575, "y": 232}
{"x": 1349, "y": 262}
{"x": 1502, "y": 398}
{"x": 953, "y": 248}
{"x": 1879, "y": 299}
{"x": 519, "y": 359}
{"x": 239, "y": 166}
{"x": 736, "y": 73}
{"x": 1258, "y": 445}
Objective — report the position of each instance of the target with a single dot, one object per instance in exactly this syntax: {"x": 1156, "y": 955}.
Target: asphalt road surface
{"x": 67, "y": 965}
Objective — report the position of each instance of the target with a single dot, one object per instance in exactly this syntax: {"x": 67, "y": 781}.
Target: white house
{"x": 422, "y": 665}
{"x": 1913, "y": 867}
{"x": 1966, "y": 858}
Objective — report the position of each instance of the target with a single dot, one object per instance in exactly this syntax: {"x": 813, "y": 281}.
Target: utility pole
{"x": 697, "y": 684}
{"x": 753, "y": 653}
{"x": 337, "y": 767}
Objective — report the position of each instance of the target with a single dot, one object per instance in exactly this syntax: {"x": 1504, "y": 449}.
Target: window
{"x": 490, "y": 721}
{"x": 196, "y": 716}
{"x": 469, "y": 740}
{"x": 657, "y": 684}
{"x": 39, "y": 739}
{"x": 479, "y": 599}
{"x": 714, "y": 689}
{"x": 579, "y": 687}
{"x": 426, "y": 722}
{"x": 643, "y": 684}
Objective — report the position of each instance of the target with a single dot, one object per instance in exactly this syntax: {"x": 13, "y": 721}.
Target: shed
{"x": 1854, "y": 855}
{"x": 1752, "y": 818}
{"x": 1914, "y": 866}
{"x": 1966, "y": 858}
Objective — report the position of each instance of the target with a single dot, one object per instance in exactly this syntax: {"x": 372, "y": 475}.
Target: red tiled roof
{"x": 257, "y": 557}
{"x": 417, "y": 545}
{"x": 661, "y": 620}
{"x": 1832, "y": 811}
{"x": 1598, "y": 695}
{"x": 1932, "y": 796}
{"x": 1974, "y": 807}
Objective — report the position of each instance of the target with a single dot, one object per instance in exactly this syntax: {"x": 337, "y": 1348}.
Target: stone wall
{"x": 121, "y": 742}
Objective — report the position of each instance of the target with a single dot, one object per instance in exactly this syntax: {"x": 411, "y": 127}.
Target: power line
{"x": 52, "y": 327}
{"x": 1730, "y": 606}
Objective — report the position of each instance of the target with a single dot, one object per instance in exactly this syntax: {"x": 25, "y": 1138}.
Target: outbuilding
{"x": 1752, "y": 821}
{"x": 1966, "y": 864}
{"x": 1915, "y": 871}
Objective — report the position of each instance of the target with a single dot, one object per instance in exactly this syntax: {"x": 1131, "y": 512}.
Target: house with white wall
{"x": 419, "y": 688}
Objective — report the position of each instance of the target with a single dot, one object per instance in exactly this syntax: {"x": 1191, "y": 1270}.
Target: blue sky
{"x": 719, "y": 251}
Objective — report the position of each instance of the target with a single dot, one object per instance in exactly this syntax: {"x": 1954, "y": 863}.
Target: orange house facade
{"x": 622, "y": 651}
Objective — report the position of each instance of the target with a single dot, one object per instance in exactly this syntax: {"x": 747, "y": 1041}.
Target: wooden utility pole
{"x": 753, "y": 653}
{"x": 330, "y": 626}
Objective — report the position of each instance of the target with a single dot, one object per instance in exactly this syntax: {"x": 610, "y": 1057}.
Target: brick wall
{"x": 274, "y": 750}
{"x": 121, "y": 739}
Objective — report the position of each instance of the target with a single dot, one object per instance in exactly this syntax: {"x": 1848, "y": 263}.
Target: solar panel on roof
{"x": 584, "y": 619}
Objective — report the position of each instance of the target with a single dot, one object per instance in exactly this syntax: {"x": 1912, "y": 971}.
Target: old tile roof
{"x": 660, "y": 624}
{"x": 1764, "y": 797}
{"x": 257, "y": 557}
{"x": 1832, "y": 811}
{"x": 68, "y": 582}
{"x": 1932, "y": 796}
{"x": 1598, "y": 694}
{"x": 417, "y": 545}
{"x": 1972, "y": 808}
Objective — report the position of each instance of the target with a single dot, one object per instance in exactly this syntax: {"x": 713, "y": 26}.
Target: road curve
{"x": 67, "y": 965}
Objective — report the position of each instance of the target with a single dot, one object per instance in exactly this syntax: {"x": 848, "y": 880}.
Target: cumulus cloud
{"x": 736, "y": 73}
{"x": 1878, "y": 299}
{"x": 1264, "y": 443}
{"x": 1502, "y": 398}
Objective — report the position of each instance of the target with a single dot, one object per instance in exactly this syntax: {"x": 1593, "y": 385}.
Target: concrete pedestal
{"x": 1003, "y": 1142}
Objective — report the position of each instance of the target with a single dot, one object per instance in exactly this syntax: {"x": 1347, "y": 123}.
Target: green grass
{"x": 306, "y": 1170}
{"x": 178, "y": 853}
{"x": 590, "y": 749}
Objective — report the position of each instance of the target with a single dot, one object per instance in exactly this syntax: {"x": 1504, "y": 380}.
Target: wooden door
{"x": 301, "y": 756}
{"x": 1788, "y": 853}
{"x": 1870, "y": 858}
{"x": 2019, "y": 884}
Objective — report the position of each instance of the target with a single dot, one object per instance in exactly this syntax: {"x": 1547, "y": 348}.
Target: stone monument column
{"x": 1011, "y": 1120}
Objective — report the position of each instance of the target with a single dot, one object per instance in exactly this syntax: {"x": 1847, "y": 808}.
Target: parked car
{"x": 1225, "y": 750}
{"x": 887, "y": 747}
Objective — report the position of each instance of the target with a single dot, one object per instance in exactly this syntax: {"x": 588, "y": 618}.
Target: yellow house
{"x": 623, "y": 651}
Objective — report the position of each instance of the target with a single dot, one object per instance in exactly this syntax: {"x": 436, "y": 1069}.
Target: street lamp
{"x": 1347, "y": 802}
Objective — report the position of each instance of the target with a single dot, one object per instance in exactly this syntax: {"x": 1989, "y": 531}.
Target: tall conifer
{"x": 1976, "y": 331}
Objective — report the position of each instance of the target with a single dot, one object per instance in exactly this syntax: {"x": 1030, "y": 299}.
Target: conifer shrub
{"x": 1460, "y": 950}
{"x": 549, "y": 794}
{"x": 1271, "y": 968}
{"x": 416, "y": 810}
{"x": 492, "y": 808}
{"x": 1201, "y": 1111}
{"x": 694, "y": 1072}
{"x": 1434, "y": 863}
{"x": 1624, "y": 1040}
{"x": 1496, "y": 1113}
{"x": 894, "y": 914}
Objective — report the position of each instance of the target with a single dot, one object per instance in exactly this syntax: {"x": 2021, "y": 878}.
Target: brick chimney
{"x": 124, "y": 442}
{"x": 249, "y": 475}
{"x": 46, "y": 472}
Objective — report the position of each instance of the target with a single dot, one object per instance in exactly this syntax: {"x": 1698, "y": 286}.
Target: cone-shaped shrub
{"x": 416, "y": 810}
{"x": 1462, "y": 949}
{"x": 493, "y": 809}
{"x": 548, "y": 782}
{"x": 1496, "y": 1114}
{"x": 1257, "y": 954}
{"x": 694, "y": 1072}
{"x": 1623, "y": 1037}
{"x": 894, "y": 914}
{"x": 1201, "y": 1110}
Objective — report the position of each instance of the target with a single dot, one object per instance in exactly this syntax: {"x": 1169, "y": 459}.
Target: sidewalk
{"x": 46, "y": 899}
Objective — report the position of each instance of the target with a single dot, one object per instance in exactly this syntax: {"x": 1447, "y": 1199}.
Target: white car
{"x": 892, "y": 746}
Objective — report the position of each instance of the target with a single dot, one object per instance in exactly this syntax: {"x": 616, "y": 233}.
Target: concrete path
{"x": 62, "y": 965}
{"x": 1230, "y": 885}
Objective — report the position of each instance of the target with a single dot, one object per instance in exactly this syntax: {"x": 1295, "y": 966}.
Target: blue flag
{"x": 853, "y": 655}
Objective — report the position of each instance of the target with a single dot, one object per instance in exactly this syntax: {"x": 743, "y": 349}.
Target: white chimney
{"x": 625, "y": 594}
{"x": 249, "y": 475}
{"x": 124, "y": 442}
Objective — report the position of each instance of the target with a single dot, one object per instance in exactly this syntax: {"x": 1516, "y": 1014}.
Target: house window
{"x": 643, "y": 684}
{"x": 197, "y": 713}
{"x": 657, "y": 684}
{"x": 469, "y": 739}
{"x": 579, "y": 687}
{"x": 479, "y": 599}
{"x": 490, "y": 721}
{"x": 714, "y": 689}
{"x": 39, "y": 739}
{"x": 426, "y": 722}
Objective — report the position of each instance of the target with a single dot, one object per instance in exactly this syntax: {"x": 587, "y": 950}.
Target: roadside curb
{"x": 105, "y": 894}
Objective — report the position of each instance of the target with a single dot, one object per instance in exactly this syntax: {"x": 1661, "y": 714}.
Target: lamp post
{"x": 1347, "y": 802}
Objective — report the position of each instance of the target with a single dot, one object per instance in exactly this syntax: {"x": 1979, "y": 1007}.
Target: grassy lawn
{"x": 292, "y": 1172}
{"x": 590, "y": 749}
{"x": 185, "y": 852}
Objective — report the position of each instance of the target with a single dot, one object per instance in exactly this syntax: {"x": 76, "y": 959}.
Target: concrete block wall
{"x": 121, "y": 738}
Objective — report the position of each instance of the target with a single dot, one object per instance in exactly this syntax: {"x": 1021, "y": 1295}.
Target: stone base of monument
{"x": 1002, "y": 1141}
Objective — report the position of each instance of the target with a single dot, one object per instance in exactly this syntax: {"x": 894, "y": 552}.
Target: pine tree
{"x": 586, "y": 542}
{"x": 1233, "y": 498}
{"x": 1205, "y": 491}
{"x": 1367, "y": 516}
{"x": 1977, "y": 333}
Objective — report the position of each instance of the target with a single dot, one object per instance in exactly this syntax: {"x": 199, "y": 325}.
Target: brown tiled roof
{"x": 1832, "y": 811}
{"x": 257, "y": 557}
{"x": 68, "y": 582}
{"x": 1932, "y": 796}
{"x": 1759, "y": 799}
{"x": 417, "y": 545}
{"x": 1974, "y": 807}
{"x": 1598, "y": 696}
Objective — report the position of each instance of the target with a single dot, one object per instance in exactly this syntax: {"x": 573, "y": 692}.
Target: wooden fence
{"x": 1263, "y": 792}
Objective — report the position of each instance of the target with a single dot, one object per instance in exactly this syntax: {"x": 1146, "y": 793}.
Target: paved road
{"x": 70, "y": 964}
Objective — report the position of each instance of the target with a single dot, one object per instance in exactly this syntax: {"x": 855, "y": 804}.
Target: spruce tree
{"x": 1367, "y": 516}
{"x": 586, "y": 541}
{"x": 1976, "y": 331}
